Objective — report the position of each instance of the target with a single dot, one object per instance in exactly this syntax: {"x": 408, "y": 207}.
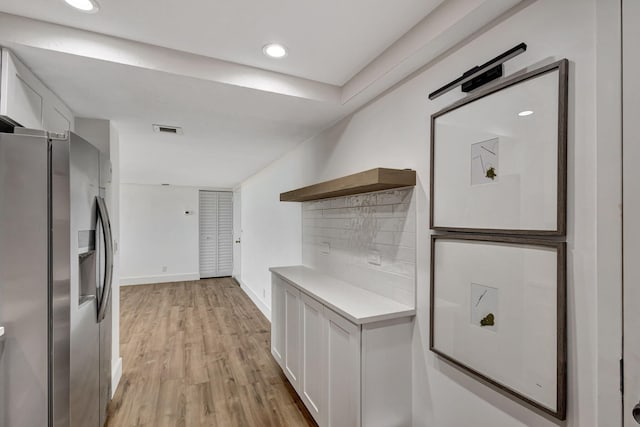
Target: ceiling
{"x": 230, "y": 133}
{"x": 329, "y": 40}
{"x": 144, "y": 62}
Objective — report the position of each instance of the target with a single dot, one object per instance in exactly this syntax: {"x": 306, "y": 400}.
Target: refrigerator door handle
{"x": 103, "y": 302}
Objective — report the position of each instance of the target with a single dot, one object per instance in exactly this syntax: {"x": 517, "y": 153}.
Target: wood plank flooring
{"x": 198, "y": 354}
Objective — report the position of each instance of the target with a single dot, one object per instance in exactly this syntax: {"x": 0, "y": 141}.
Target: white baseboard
{"x": 256, "y": 300}
{"x": 116, "y": 374}
{"x": 163, "y": 278}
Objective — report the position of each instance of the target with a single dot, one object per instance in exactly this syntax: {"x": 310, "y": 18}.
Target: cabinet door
{"x": 292, "y": 335}
{"x": 21, "y": 96}
{"x": 277, "y": 319}
{"x": 27, "y": 101}
{"x": 314, "y": 349}
{"x": 343, "y": 366}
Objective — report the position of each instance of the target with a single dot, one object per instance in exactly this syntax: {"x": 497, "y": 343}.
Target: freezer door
{"x": 85, "y": 335}
{"x": 104, "y": 313}
{"x": 90, "y": 284}
{"x": 24, "y": 249}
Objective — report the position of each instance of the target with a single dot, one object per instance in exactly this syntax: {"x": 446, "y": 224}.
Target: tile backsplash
{"x": 368, "y": 240}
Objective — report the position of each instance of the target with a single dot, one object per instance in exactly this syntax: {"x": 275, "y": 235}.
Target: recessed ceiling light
{"x": 88, "y": 6}
{"x": 274, "y": 50}
{"x": 525, "y": 113}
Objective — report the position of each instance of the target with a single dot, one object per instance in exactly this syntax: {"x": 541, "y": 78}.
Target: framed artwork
{"x": 498, "y": 311}
{"x": 498, "y": 157}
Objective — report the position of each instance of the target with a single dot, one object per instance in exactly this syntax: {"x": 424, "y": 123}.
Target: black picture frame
{"x": 561, "y": 315}
{"x": 562, "y": 67}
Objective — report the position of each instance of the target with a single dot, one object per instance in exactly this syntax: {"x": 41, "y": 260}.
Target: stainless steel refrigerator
{"x": 55, "y": 281}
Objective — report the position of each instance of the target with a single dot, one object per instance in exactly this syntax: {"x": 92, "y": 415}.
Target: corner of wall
{"x": 116, "y": 375}
{"x": 608, "y": 214}
{"x": 266, "y": 311}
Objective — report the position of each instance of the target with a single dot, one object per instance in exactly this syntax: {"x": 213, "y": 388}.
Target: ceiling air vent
{"x": 175, "y": 130}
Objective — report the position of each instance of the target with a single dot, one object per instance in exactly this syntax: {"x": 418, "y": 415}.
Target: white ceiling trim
{"x": 448, "y": 25}
{"x": 53, "y": 37}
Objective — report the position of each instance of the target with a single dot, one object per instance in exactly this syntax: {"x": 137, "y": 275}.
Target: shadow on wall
{"x": 319, "y": 156}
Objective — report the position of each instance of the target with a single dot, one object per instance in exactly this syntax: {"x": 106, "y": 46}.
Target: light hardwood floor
{"x": 198, "y": 354}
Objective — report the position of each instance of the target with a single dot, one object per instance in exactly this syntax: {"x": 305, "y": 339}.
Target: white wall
{"x": 609, "y": 207}
{"x": 159, "y": 243}
{"x": 631, "y": 176}
{"x": 271, "y": 231}
{"x": 96, "y": 131}
{"x": 394, "y": 132}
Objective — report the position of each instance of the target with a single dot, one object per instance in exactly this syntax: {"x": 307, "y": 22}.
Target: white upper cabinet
{"x": 26, "y": 101}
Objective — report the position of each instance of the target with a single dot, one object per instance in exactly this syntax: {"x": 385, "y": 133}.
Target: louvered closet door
{"x": 225, "y": 233}
{"x": 216, "y": 233}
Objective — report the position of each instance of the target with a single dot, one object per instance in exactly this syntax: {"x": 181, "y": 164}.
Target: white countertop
{"x": 356, "y": 304}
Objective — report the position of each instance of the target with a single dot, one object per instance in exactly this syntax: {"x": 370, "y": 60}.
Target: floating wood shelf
{"x": 363, "y": 182}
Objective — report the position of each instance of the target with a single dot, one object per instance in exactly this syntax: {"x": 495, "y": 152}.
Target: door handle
{"x": 103, "y": 302}
{"x": 636, "y": 412}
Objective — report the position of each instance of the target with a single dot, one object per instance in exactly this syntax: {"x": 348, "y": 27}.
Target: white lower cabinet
{"x": 277, "y": 320}
{"x": 292, "y": 336}
{"x": 347, "y": 375}
{"x": 313, "y": 384}
{"x": 343, "y": 372}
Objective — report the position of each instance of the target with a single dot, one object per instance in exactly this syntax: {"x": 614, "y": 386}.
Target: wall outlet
{"x": 164, "y": 268}
{"x": 325, "y": 248}
{"x": 374, "y": 258}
